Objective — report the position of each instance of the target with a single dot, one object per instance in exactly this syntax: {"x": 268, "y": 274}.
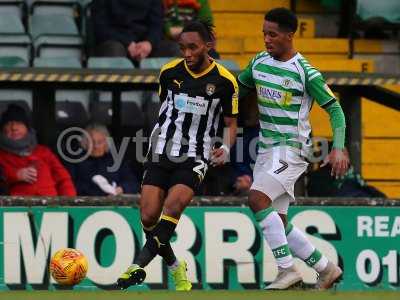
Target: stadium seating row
{"x": 40, "y": 28}
{"x": 52, "y": 31}
{"x": 261, "y": 6}
{"x": 239, "y": 32}
{"x": 238, "y": 24}
{"x": 76, "y": 107}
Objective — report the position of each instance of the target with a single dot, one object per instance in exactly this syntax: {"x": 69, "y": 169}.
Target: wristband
{"x": 339, "y": 135}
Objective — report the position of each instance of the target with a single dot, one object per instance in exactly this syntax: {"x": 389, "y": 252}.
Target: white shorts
{"x": 275, "y": 174}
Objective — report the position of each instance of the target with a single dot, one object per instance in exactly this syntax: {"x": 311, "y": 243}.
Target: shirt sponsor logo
{"x": 186, "y": 104}
{"x": 275, "y": 96}
{"x": 269, "y": 93}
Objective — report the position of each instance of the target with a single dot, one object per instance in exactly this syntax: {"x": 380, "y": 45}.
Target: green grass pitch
{"x": 197, "y": 295}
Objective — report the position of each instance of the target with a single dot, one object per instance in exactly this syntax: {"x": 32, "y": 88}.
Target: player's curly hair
{"x": 204, "y": 28}
{"x": 285, "y": 18}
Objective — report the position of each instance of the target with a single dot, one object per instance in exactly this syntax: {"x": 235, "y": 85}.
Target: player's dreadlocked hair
{"x": 203, "y": 27}
{"x": 286, "y": 19}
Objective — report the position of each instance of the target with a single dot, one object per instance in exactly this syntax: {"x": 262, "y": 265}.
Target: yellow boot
{"x": 180, "y": 278}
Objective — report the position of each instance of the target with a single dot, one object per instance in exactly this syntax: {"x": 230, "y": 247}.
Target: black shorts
{"x": 164, "y": 173}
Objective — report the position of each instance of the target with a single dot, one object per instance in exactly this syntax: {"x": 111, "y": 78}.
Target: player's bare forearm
{"x": 220, "y": 155}
{"x": 230, "y": 134}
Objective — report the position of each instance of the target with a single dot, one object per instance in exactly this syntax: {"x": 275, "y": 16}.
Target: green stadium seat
{"x": 388, "y": 10}
{"x": 17, "y": 45}
{"x": 13, "y": 39}
{"x": 131, "y": 101}
{"x": 52, "y": 25}
{"x": 382, "y": 15}
{"x": 67, "y": 109}
{"x": 55, "y": 36}
{"x": 57, "y": 62}
{"x": 155, "y": 63}
{"x": 13, "y": 62}
{"x": 110, "y": 63}
{"x": 70, "y": 8}
{"x": 11, "y": 24}
{"x": 85, "y": 3}
{"x": 13, "y": 7}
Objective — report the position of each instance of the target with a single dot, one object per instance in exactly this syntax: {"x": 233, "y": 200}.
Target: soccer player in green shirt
{"x": 287, "y": 86}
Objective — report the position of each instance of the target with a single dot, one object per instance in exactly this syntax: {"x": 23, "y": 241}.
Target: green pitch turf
{"x": 198, "y": 295}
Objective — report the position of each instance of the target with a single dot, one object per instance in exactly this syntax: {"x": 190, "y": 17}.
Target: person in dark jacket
{"x": 132, "y": 28}
{"x": 93, "y": 177}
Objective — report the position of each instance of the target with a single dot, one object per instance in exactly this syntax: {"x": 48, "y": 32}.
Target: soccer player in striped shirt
{"x": 198, "y": 96}
{"x": 287, "y": 86}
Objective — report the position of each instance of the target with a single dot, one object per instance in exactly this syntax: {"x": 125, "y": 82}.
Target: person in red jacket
{"x": 29, "y": 169}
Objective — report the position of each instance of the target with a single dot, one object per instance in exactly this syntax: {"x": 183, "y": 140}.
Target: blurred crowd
{"x": 140, "y": 29}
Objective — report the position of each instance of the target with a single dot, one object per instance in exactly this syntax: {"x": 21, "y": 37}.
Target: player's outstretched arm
{"x": 320, "y": 91}
{"x": 338, "y": 158}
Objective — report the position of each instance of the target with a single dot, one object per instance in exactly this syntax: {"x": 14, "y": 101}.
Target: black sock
{"x": 165, "y": 252}
{"x": 159, "y": 240}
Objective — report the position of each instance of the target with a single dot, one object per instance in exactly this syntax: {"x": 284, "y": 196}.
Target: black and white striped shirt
{"x": 192, "y": 109}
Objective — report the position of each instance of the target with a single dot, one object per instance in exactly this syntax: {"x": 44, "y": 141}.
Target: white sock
{"x": 174, "y": 265}
{"x": 274, "y": 232}
{"x": 303, "y": 249}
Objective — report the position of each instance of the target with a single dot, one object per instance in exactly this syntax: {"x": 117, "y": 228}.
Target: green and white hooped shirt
{"x": 285, "y": 92}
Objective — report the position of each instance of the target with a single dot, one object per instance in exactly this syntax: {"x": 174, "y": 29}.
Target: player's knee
{"x": 258, "y": 201}
{"x": 148, "y": 220}
{"x": 174, "y": 209}
{"x": 253, "y": 201}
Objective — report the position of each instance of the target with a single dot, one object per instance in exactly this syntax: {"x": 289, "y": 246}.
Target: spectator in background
{"x": 243, "y": 153}
{"x": 180, "y": 12}
{"x": 29, "y": 169}
{"x": 3, "y": 186}
{"x": 130, "y": 28}
{"x": 218, "y": 181}
{"x": 242, "y": 185}
{"x": 92, "y": 177}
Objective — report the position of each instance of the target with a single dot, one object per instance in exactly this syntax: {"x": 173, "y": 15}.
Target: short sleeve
{"x": 162, "y": 86}
{"x": 230, "y": 98}
{"x": 319, "y": 90}
{"x": 246, "y": 76}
